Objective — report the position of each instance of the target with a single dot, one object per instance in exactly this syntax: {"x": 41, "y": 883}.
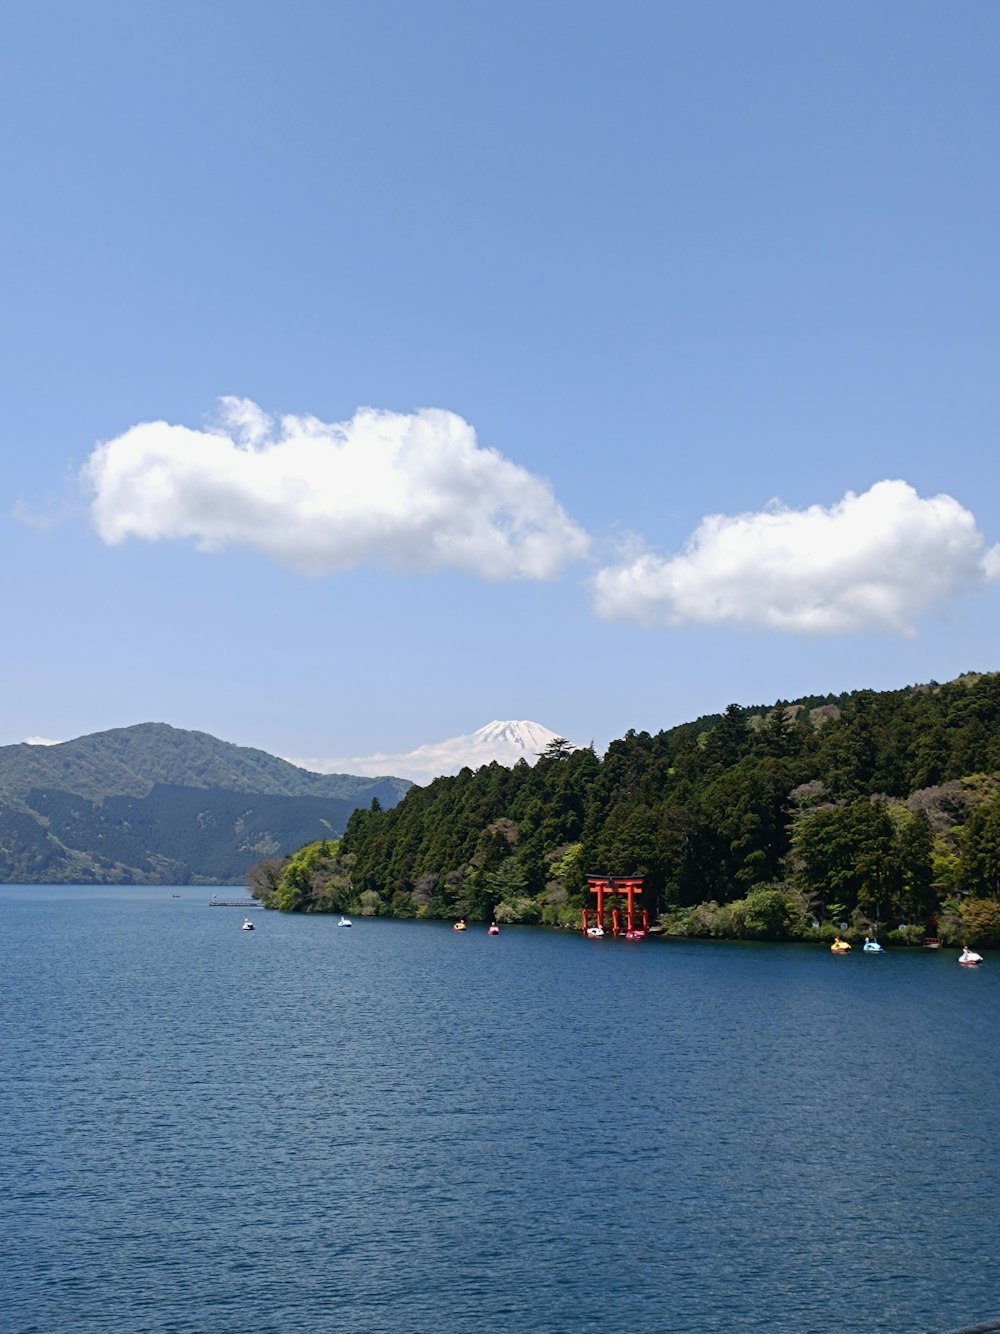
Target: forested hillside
{"x": 872, "y": 808}
{"x": 154, "y": 804}
{"x": 130, "y": 761}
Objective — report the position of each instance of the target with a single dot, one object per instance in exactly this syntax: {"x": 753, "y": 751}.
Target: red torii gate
{"x": 610, "y": 884}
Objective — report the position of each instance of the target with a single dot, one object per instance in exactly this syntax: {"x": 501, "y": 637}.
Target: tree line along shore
{"x": 868, "y": 812}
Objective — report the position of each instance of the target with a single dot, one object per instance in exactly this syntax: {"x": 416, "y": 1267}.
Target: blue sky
{"x": 375, "y": 370}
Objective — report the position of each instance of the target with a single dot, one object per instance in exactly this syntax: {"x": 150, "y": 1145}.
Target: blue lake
{"x": 401, "y": 1128}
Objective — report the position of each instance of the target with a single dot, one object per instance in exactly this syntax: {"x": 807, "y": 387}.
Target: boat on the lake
{"x": 595, "y": 931}
{"x": 345, "y": 921}
{"x": 247, "y": 924}
{"x": 493, "y": 930}
{"x": 839, "y": 946}
{"x": 460, "y": 925}
{"x": 872, "y": 946}
{"x": 969, "y": 958}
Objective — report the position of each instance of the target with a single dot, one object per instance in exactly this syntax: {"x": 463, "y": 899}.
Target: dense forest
{"x": 870, "y": 811}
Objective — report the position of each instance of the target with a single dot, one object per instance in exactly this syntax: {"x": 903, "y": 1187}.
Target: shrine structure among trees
{"x": 616, "y": 886}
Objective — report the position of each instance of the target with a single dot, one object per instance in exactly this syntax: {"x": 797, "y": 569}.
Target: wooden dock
{"x": 233, "y": 903}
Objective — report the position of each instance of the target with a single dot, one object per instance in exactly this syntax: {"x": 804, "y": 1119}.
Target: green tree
{"x": 980, "y": 871}
{"x": 915, "y": 838}
{"x": 845, "y": 854}
{"x": 263, "y": 880}
{"x": 509, "y": 891}
{"x": 981, "y": 921}
{"x": 771, "y": 914}
{"x": 314, "y": 879}
{"x": 726, "y": 743}
{"x": 877, "y": 861}
{"x": 749, "y": 808}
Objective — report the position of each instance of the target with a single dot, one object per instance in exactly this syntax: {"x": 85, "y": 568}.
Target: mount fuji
{"x": 505, "y": 742}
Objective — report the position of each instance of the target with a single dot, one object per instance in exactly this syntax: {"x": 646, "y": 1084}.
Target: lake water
{"x": 399, "y": 1128}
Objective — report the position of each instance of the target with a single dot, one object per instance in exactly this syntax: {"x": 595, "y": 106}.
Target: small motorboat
{"x": 595, "y": 932}
{"x": 460, "y": 925}
{"x": 494, "y": 930}
{"x": 969, "y": 958}
{"x": 636, "y": 934}
{"x": 840, "y": 946}
{"x": 345, "y": 921}
{"x": 872, "y": 946}
{"x": 247, "y": 924}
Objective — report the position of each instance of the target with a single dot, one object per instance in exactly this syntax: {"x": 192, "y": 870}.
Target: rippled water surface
{"x": 400, "y": 1128}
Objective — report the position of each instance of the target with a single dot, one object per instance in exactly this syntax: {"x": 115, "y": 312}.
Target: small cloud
{"x": 44, "y": 520}
{"x": 40, "y": 741}
{"x": 414, "y": 492}
{"x": 243, "y": 420}
{"x": 874, "y": 561}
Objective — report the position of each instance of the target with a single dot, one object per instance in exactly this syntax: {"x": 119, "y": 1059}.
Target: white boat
{"x": 247, "y": 924}
{"x": 872, "y": 946}
{"x": 595, "y": 931}
{"x": 969, "y": 958}
{"x": 345, "y": 921}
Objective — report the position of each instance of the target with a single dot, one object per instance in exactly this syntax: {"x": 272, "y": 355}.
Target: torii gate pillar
{"x": 599, "y": 885}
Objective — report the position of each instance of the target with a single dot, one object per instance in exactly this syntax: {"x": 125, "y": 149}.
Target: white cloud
{"x": 40, "y": 741}
{"x": 991, "y": 562}
{"x": 874, "y": 561}
{"x": 411, "y": 491}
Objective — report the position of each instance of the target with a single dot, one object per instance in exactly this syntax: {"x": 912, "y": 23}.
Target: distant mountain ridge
{"x": 499, "y": 742}
{"x": 129, "y": 761}
{"x": 157, "y": 804}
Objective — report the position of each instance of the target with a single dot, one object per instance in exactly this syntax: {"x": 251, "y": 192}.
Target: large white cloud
{"x": 411, "y": 491}
{"x": 871, "y": 561}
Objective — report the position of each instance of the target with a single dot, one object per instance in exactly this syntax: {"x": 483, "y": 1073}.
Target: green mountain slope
{"x": 158, "y": 804}
{"x": 870, "y": 807}
{"x": 130, "y": 760}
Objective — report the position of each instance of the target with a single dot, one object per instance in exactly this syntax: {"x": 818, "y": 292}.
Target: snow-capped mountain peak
{"x": 505, "y": 742}
{"x": 527, "y": 738}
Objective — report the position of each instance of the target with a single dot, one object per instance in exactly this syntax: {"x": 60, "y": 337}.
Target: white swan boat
{"x": 247, "y": 924}
{"x": 969, "y": 958}
{"x": 345, "y": 921}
